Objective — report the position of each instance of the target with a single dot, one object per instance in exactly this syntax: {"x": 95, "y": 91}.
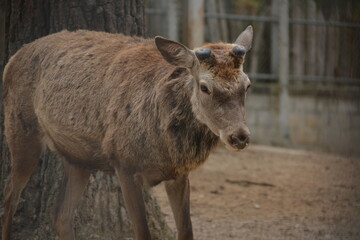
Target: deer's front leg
{"x": 178, "y": 192}
{"x": 134, "y": 203}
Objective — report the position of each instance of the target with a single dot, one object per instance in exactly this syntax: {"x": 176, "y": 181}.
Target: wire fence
{"x": 318, "y": 50}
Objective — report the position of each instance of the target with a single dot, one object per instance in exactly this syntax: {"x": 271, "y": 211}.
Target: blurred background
{"x": 304, "y": 63}
{"x": 304, "y": 66}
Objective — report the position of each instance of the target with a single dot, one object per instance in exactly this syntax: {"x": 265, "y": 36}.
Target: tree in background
{"x": 101, "y": 214}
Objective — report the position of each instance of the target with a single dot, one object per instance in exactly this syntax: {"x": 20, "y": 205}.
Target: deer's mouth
{"x": 235, "y": 148}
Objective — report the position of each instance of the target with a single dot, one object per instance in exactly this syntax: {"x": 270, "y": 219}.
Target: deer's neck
{"x": 189, "y": 141}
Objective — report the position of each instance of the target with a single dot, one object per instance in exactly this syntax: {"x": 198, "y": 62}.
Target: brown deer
{"x": 150, "y": 111}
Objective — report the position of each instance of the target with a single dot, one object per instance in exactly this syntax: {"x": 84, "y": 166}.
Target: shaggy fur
{"x": 108, "y": 101}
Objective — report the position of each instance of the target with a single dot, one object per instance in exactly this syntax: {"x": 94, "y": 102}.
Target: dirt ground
{"x": 273, "y": 193}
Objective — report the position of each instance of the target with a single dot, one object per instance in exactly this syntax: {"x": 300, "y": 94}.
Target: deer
{"x": 149, "y": 110}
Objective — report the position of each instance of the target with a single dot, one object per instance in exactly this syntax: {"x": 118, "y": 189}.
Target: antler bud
{"x": 238, "y": 51}
{"x": 203, "y": 53}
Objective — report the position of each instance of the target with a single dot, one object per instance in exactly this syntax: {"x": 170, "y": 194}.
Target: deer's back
{"x": 68, "y": 86}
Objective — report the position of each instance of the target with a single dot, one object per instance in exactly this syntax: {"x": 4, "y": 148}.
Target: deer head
{"x": 219, "y": 84}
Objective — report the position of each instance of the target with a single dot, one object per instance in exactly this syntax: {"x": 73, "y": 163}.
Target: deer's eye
{"x": 204, "y": 89}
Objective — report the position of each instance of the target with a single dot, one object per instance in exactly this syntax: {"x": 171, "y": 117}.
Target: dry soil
{"x": 273, "y": 193}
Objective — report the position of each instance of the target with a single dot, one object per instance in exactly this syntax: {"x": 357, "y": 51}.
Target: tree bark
{"x": 101, "y": 214}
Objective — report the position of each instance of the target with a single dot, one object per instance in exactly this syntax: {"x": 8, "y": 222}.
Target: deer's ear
{"x": 175, "y": 53}
{"x": 245, "y": 38}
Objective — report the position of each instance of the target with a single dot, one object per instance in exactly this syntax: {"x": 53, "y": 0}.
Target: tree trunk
{"x": 101, "y": 214}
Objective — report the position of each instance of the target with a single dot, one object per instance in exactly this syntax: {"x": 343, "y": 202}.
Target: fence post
{"x": 195, "y": 23}
{"x": 172, "y": 19}
{"x": 275, "y": 38}
{"x": 283, "y": 69}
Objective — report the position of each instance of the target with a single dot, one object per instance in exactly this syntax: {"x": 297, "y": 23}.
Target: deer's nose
{"x": 239, "y": 141}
